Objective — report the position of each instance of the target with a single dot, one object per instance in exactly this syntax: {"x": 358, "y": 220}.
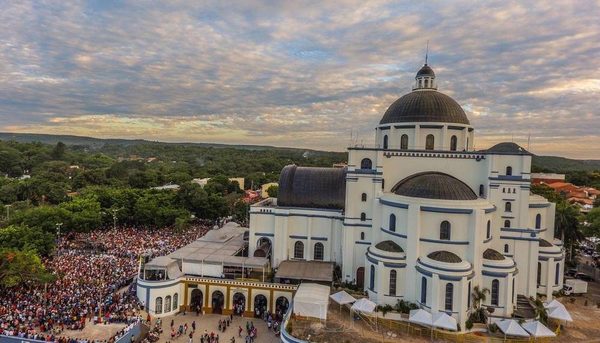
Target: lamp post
{"x": 7, "y": 212}
{"x": 58, "y": 225}
{"x": 113, "y": 212}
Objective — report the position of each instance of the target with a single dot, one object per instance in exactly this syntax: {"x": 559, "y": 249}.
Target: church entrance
{"x": 218, "y": 299}
{"x": 281, "y": 305}
{"x": 360, "y": 277}
{"x": 196, "y": 301}
{"x": 239, "y": 303}
{"x": 260, "y": 305}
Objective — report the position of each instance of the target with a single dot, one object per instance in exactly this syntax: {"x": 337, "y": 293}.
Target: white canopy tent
{"x": 537, "y": 329}
{"x": 511, "y": 327}
{"x": 443, "y": 321}
{"x": 311, "y": 300}
{"x": 553, "y": 303}
{"x": 420, "y": 317}
{"x": 364, "y": 305}
{"x": 342, "y": 298}
{"x": 560, "y": 313}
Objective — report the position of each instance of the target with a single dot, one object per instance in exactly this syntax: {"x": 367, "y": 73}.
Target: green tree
{"x": 43, "y": 217}
{"x": 567, "y": 226}
{"x": 59, "y": 151}
{"x": 84, "y": 214}
{"x": 241, "y": 212}
{"x": 25, "y": 238}
{"x": 273, "y": 191}
{"x": 593, "y": 222}
{"x": 17, "y": 267}
{"x": 479, "y": 314}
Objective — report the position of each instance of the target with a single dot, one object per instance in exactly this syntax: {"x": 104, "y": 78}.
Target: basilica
{"x": 419, "y": 216}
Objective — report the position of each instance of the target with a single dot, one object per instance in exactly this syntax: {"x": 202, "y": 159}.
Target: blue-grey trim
{"x": 364, "y": 172}
{"x": 377, "y": 180}
{"x": 521, "y": 238}
{"x": 490, "y": 210}
{"x": 508, "y": 199}
{"x": 357, "y": 224}
{"x": 384, "y": 127}
{"x": 442, "y": 241}
{"x": 393, "y": 204}
{"x": 423, "y": 271}
{"x": 517, "y": 178}
{"x": 371, "y": 259}
{"x": 494, "y": 274}
{"x": 382, "y": 256}
{"x": 309, "y": 209}
{"x": 147, "y": 298}
{"x": 525, "y": 187}
{"x": 319, "y": 238}
{"x": 539, "y": 205}
{"x": 363, "y": 242}
{"x": 444, "y": 269}
{"x": 431, "y": 126}
{"x": 507, "y": 217}
{"x": 499, "y": 267}
{"x": 488, "y": 239}
{"x": 514, "y": 229}
{"x": 298, "y": 237}
{"x": 394, "y": 265}
{"x": 446, "y": 210}
{"x": 453, "y": 127}
{"x": 264, "y": 234}
{"x": 394, "y": 233}
{"x": 351, "y": 179}
{"x": 508, "y": 255}
{"x": 543, "y": 258}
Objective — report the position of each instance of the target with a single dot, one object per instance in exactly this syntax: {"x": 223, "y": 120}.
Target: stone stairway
{"x": 525, "y": 308}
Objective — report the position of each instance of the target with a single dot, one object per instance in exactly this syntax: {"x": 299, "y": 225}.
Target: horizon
{"x": 297, "y": 76}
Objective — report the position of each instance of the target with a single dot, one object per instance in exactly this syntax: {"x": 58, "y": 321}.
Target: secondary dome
{"x": 494, "y": 255}
{"x": 425, "y": 70}
{"x": 425, "y": 106}
{"x": 389, "y": 246}
{"x": 434, "y": 185}
{"x": 445, "y": 256}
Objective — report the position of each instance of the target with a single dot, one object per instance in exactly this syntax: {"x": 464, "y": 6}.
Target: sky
{"x": 299, "y": 73}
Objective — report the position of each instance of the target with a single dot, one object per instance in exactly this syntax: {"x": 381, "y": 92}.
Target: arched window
{"x": 538, "y": 221}
{"x": 481, "y": 191}
{"x": 469, "y": 295}
{"x": 385, "y": 142}
{"x": 453, "y": 143}
{"x": 158, "y": 308}
{"x": 539, "y": 273}
{"x": 363, "y": 197}
{"x": 372, "y": 279}
{"x": 449, "y": 296}
{"x": 393, "y": 222}
{"x": 488, "y": 229}
{"x": 404, "y": 142}
{"x": 445, "y": 230}
{"x": 318, "y": 253}
{"x": 508, "y": 207}
{"x": 495, "y": 291}
{"x": 429, "y": 141}
{"x": 506, "y": 248}
{"x": 362, "y": 236}
{"x": 366, "y": 164}
{"x": 175, "y": 301}
{"x": 426, "y": 83}
{"x": 393, "y": 283}
{"x": 423, "y": 290}
{"x": 557, "y": 274}
{"x": 507, "y": 223}
{"x": 167, "y": 304}
{"x": 363, "y": 217}
{"x": 509, "y": 171}
{"x": 298, "y": 249}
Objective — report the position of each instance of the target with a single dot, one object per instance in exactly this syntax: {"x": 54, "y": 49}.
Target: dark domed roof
{"x": 544, "y": 243}
{"x": 425, "y": 106}
{"x": 491, "y": 254}
{"x": 389, "y": 246}
{"x": 508, "y": 148}
{"x": 445, "y": 256}
{"x": 425, "y": 70}
{"x": 434, "y": 185}
{"x": 312, "y": 187}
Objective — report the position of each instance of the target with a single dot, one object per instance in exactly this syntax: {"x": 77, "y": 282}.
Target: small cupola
{"x": 425, "y": 79}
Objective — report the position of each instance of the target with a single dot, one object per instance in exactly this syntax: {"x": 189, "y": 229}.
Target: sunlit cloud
{"x": 298, "y": 74}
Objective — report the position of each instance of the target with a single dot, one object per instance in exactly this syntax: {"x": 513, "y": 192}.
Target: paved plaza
{"x": 210, "y": 322}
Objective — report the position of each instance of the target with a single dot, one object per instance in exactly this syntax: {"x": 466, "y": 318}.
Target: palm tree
{"x": 479, "y": 315}
{"x": 541, "y": 313}
{"x": 567, "y": 225}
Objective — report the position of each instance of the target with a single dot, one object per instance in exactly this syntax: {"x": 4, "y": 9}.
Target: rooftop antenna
{"x": 427, "y": 52}
{"x": 529, "y": 140}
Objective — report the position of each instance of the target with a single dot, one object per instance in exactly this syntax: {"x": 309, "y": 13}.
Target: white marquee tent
{"x": 560, "y": 313}
{"x": 511, "y": 327}
{"x": 364, "y": 305}
{"x": 443, "y": 321}
{"x": 342, "y": 298}
{"x": 537, "y": 329}
{"x": 311, "y": 300}
{"x": 420, "y": 317}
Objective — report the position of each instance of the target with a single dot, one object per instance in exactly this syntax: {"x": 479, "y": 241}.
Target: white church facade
{"x": 420, "y": 216}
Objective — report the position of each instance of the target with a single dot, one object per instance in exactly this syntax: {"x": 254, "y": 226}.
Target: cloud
{"x": 294, "y": 73}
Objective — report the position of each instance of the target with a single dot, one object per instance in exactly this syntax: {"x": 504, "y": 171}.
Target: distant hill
{"x": 539, "y": 163}
{"x": 98, "y": 143}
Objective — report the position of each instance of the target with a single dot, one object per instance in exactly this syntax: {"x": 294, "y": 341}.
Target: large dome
{"x": 434, "y": 185}
{"x": 425, "y": 106}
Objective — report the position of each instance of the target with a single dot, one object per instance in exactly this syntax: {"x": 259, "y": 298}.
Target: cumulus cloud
{"x": 292, "y": 73}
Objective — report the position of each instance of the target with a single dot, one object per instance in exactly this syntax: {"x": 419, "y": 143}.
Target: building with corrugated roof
{"x": 420, "y": 216}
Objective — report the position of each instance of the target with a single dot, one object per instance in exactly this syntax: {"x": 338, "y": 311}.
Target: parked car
{"x": 585, "y": 277}
{"x": 571, "y": 272}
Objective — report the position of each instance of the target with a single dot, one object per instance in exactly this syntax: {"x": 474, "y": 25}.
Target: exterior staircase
{"x": 525, "y": 308}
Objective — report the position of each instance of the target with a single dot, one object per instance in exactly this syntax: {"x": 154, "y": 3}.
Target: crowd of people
{"x": 92, "y": 271}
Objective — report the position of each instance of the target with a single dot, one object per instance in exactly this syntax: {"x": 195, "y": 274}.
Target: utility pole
{"x": 7, "y": 212}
